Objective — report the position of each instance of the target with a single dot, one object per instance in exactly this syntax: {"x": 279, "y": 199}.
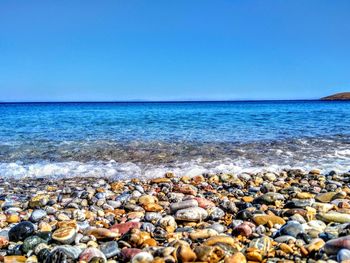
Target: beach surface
{"x": 291, "y": 216}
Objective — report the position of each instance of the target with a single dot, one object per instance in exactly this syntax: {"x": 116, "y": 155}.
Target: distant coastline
{"x": 343, "y": 96}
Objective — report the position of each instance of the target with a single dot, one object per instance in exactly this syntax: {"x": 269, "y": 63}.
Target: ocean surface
{"x": 127, "y": 140}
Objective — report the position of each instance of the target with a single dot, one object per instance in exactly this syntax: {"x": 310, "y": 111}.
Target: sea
{"x": 126, "y": 140}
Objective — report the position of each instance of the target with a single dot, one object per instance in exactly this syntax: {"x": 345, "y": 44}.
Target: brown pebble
{"x": 236, "y": 258}
{"x": 185, "y": 254}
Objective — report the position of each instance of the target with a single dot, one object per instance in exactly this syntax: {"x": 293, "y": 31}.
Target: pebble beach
{"x": 290, "y": 216}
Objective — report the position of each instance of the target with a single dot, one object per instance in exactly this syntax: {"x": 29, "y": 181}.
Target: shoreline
{"x": 288, "y": 216}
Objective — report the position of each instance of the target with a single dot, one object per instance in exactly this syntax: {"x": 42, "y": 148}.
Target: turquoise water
{"x": 146, "y": 139}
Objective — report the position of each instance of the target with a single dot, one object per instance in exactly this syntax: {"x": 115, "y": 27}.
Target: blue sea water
{"x": 126, "y": 140}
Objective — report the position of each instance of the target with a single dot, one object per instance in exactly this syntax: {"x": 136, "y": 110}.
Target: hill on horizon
{"x": 338, "y": 96}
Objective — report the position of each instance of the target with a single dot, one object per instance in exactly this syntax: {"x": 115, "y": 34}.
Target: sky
{"x": 173, "y": 50}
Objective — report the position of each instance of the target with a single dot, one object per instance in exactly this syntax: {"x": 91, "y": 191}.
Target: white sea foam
{"x": 129, "y": 170}
{"x": 343, "y": 153}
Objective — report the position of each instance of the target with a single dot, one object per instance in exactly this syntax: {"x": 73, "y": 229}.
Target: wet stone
{"x": 31, "y": 242}
{"x": 298, "y": 203}
{"x": 183, "y": 205}
{"x": 110, "y": 249}
{"x": 125, "y": 227}
{"x": 142, "y": 257}
{"x": 65, "y": 235}
{"x": 191, "y": 214}
{"x": 92, "y": 254}
{"x": 268, "y": 198}
{"x": 332, "y": 246}
{"x": 333, "y": 216}
{"x": 343, "y": 255}
{"x": 291, "y": 228}
{"x": 64, "y": 253}
{"x": 128, "y": 253}
{"x": 21, "y": 231}
{"x": 37, "y": 215}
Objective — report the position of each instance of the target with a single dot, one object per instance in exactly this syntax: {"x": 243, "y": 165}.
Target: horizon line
{"x": 157, "y": 101}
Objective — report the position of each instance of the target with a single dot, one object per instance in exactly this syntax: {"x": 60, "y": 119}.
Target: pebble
{"x": 65, "y": 235}
{"x": 245, "y": 229}
{"x": 65, "y": 251}
{"x": 334, "y": 216}
{"x": 285, "y": 239}
{"x": 330, "y": 196}
{"x": 37, "y": 215}
{"x": 185, "y": 254}
{"x": 334, "y": 245}
{"x": 191, "y": 214}
{"x": 343, "y": 255}
{"x": 110, "y": 249}
{"x": 236, "y": 258}
{"x": 203, "y": 234}
{"x": 21, "y": 231}
{"x": 219, "y": 239}
{"x": 209, "y": 253}
{"x": 128, "y": 253}
{"x": 142, "y": 257}
{"x": 315, "y": 245}
{"x": 264, "y": 219}
{"x": 291, "y": 228}
{"x": 268, "y": 198}
{"x": 183, "y": 205}
{"x": 263, "y": 245}
{"x": 15, "y": 259}
{"x": 125, "y": 227}
{"x": 31, "y": 242}
{"x": 92, "y": 254}
{"x": 102, "y": 233}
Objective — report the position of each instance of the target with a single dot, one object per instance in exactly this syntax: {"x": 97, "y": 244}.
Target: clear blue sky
{"x": 173, "y": 50}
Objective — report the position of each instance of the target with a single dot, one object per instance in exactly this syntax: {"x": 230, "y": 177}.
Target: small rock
{"x": 92, "y": 254}
{"x": 263, "y": 219}
{"x": 219, "y": 239}
{"x": 37, "y": 215}
{"x": 15, "y": 259}
{"x": 245, "y": 229}
{"x": 128, "y": 253}
{"x": 203, "y": 234}
{"x": 330, "y": 196}
{"x": 102, "y": 233}
{"x": 21, "y": 231}
{"x": 343, "y": 255}
{"x": 183, "y": 205}
{"x": 333, "y": 216}
{"x": 191, "y": 214}
{"x": 292, "y": 228}
{"x": 64, "y": 253}
{"x": 268, "y": 198}
{"x": 185, "y": 254}
{"x": 65, "y": 235}
{"x": 209, "y": 253}
{"x": 236, "y": 258}
{"x": 31, "y": 242}
{"x": 334, "y": 245}
{"x": 315, "y": 245}
{"x": 142, "y": 257}
{"x": 38, "y": 201}
{"x": 110, "y": 249}
{"x": 262, "y": 244}
{"x": 125, "y": 227}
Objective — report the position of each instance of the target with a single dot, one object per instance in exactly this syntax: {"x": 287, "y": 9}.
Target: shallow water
{"x": 146, "y": 139}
